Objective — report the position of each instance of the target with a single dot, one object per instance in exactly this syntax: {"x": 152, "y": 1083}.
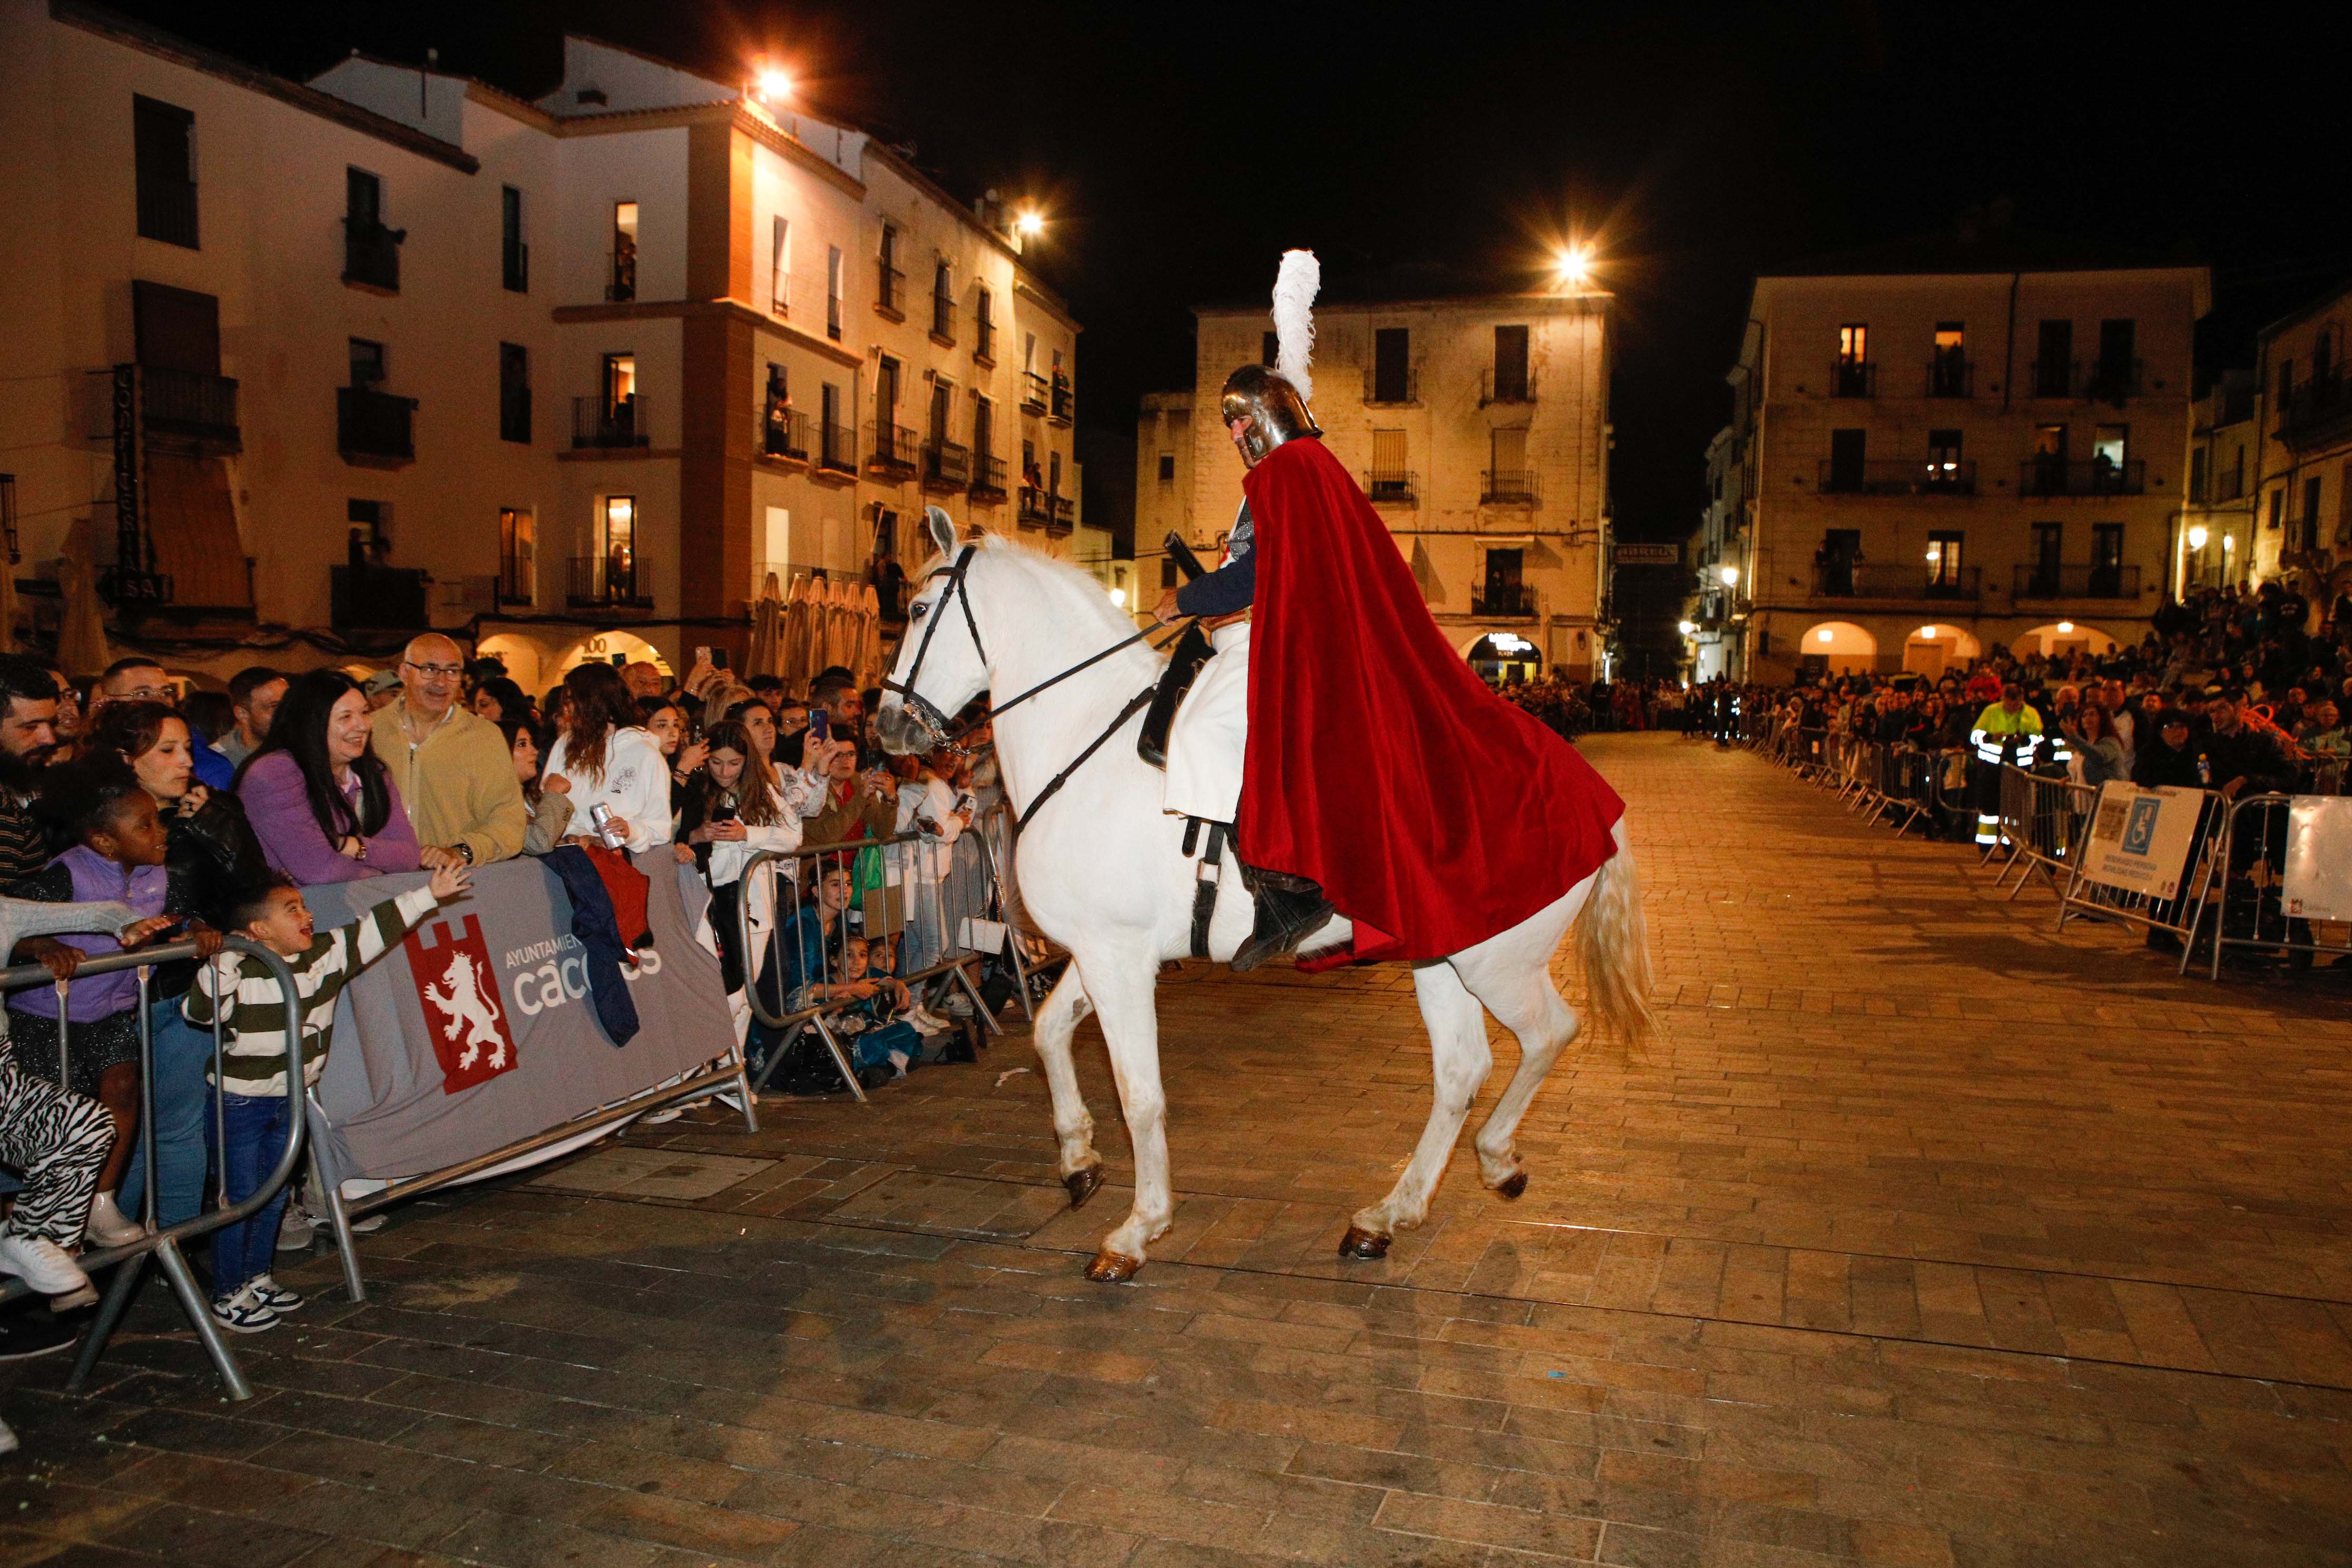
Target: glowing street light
{"x": 1574, "y": 264}
{"x": 1686, "y": 628}
{"x": 1031, "y": 221}
{"x": 2197, "y": 537}
{"x": 1118, "y": 597}
{"x": 772, "y": 85}
{"x": 1926, "y": 634}
{"x": 1826, "y": 635}
{"x": 1731, "y": 576}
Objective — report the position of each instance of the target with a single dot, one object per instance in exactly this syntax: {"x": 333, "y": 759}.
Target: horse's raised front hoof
{"x": 1512, "y": 1185}
{"x": 1081, "y": 1185}
{"x": 1361, "y": 1243}
{"x": 1112, "y": 1269}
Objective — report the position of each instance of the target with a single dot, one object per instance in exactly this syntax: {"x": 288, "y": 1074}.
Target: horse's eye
{"x": 918, "y": 611}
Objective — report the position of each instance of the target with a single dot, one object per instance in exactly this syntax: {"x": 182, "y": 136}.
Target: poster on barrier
{"x": 2318, "y": 884}
{"x": 2141, "y": 838}
{"x": 481, "y": 1027}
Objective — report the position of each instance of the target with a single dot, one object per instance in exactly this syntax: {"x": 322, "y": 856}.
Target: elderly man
{"x": 642, "y": 680}
{"x": 253, "y": 693}
{"x": 453, "y": 768}
{"x": 136, "y": 679}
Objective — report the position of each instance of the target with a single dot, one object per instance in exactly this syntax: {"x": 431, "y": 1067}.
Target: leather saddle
{"x": 1185, "y": 657}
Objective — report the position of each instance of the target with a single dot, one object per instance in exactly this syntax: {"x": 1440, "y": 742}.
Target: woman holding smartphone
{"x": 734, "y": 808}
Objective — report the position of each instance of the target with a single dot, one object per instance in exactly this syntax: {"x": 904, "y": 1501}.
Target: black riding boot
{"x": 1289, "y": 910}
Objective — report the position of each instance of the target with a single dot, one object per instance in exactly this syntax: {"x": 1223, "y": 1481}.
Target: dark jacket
{"x": 2157, "y": 766}
{"x": 2249, "y": 754}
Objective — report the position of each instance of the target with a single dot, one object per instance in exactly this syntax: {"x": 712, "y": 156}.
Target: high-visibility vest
{"x": 1996, "y": 725}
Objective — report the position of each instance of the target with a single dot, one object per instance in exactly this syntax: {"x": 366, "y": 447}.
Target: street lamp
{"x": 2066, "y": 628}
{"x": 772, "y": 85}
{"x": 1574, "y": 264}
{"x": 2197, "y": 537}
{"x": 1118, "y": 597}
{"x": 1031, "y": 221}
{"x": 1731, "y": 576}
{"x": 1686, "y": 628}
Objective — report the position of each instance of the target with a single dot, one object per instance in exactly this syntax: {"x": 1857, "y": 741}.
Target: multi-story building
{"x": 2214, "y": 544}
{"x": 1477, "y": 420}
{"x": 1715, "y": 604}
{"x": 1954, "y": 447}
{"x": 2301, "y": 482}
{"x": 394, "y": 348}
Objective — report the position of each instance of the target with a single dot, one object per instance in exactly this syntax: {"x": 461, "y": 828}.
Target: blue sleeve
{"x": 212, "y": 771}
{"x": 1227, "y": 591}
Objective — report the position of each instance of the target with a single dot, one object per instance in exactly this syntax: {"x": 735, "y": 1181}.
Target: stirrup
{"x": 1286, "y": 916}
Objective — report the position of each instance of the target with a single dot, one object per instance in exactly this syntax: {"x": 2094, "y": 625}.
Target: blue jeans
{"x": 255, "y": 1126}
{"x": 183, "y": 1106}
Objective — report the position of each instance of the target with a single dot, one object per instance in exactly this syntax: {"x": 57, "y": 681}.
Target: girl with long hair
{"x": 547, "y": 800}
{"x": 609, "y": 759}
{"x": 736, "y": 806}
{"x": 319, "y": 799}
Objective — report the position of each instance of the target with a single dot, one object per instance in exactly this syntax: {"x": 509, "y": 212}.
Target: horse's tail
{"x": 1612, "y": 942}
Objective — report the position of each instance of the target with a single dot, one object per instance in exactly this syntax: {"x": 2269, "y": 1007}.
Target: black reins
{"x": 926, "y": 713}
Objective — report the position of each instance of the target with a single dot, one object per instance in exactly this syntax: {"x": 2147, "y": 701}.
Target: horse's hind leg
{"x": 1459, "y": 1062}
{"x": 1511, "y": 973}
{"x": 1073, "y": 1129}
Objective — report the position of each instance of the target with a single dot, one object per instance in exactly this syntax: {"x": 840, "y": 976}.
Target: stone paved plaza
{"x": 1925, "y": 1237}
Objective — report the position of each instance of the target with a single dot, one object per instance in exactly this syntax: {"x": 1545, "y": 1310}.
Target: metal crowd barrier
{"x": 2085, "y": 900}
{"x": 919, "y": 897}
{"x": 163, "y": 1243}
{"x": 2043, "y": 819}
{"x": 2242, "y": 887}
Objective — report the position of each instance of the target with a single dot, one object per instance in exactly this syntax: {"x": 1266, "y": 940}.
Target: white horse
{"x": 1101, "y": 869}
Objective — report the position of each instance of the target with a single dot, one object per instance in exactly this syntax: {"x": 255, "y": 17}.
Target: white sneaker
{"x": 42, "y": 1264}
{"x": 108, "y": 1225}
{"x": 244, "y": 1313}
{"x": 294, "y": 1227}
{"x": 274, "y": 1296}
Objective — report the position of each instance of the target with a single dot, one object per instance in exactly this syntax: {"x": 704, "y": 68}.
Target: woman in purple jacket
{"x": 319, "y": 799}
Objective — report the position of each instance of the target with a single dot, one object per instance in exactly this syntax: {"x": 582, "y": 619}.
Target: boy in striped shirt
{"x": 255, "y": 1097}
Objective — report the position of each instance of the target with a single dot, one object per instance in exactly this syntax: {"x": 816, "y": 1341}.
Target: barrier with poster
{"x": 2282, "y": 882}
{"x": 2138, "y": 860}
{"x": 475, "y": 1046}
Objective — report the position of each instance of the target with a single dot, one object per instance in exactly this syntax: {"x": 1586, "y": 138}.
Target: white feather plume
{"x": 1295, "y": 287}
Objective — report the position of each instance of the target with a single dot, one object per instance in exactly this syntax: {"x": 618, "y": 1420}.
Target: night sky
{"x": 1179, "y": 148}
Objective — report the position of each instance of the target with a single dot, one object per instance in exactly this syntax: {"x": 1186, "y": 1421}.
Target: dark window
{"x": 833, "y": 441}
{"x": 2107, "y": 560}
{"x": 1392, "y": 365}
{"x": 163, "y": 155}
{"x": 370, "y": 250}
{"x": 1846, "y": 453}
{"x": 517, "y": 549}
{"x": 367, "y": 362}
{"x": 2054, "y": 360}
{"x": 370, "y": 521}
{"x": 514, "y": 255}
{"x": 2197, "y": 482}
{"x": 1052, "y": 473}
{"x": 1266, "y": 349}
{"x": 2286, "y": 384}
{"x": 1510, "y": 364}
{"x": 2278, "y": 507}
{"x": 2048, "y": 542}
{"x": 984, "y": 428}
{"x": 983, "y": 326}
{"x": 942, "y": 395}
{"x": 514, "y": 392}
{"x": 943, "y": 301}
{"x": 1841, "y": 550}
{"x": 175, "y": 329}
{"x": 1504, "y": 593}
{"x": 2118, "y": 367}
{"x": 362, "y": 197}
{"x": 2309, "y": 521}
{"x": 886, "y": 393}
{"x": 1167, "y": 468}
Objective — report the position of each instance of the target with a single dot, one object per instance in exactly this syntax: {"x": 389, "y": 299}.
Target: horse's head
{"x": 941, "y": 665}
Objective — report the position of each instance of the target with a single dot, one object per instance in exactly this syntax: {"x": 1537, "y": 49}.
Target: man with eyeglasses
{"x": 136, "y": 679}
{"x": 455, "y": 774}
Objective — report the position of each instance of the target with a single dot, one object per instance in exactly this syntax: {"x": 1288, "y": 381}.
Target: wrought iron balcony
{"x": 1508, "y": 487}
{"x": 891, "y": 450}
{"x": 1065, "y": 405}
{"x": 1392, "y": 487}
{"x": 987, "y": 479}
{"x": 602, "y": 422}
{"x": 611, "y": 581}
{"x": 1514, "y": 386}
{"x": 2096, "y": 477}
{"x": 1033, "y": 509}
{"x": 188, "y": 408}
{"x": 2316, "y": 412}
{"x": 1035, "y": 391}
{"x": 375, "y": 428}
{"x": 947, "y": 466}
{"x": 372, "y": 253}
{"x": 890, "y": 292}
{"x": 2054, "y": 378}
{"x": 1853, "y": 378}
{"x": 1898, "y": 477}
{"x": 1062, "y": 513}
{"x": 837, "y": 448}
{"x": 1505, "y": 601}
{"x": 783, "y": 434}
{"x": 1895, "y": 580}
{"x": 1951, "y": 375}
{"x": 2112, "y": 381}
{"x": 2038, "y": 582}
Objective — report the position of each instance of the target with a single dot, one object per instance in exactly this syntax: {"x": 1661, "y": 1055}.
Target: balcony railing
{"x": 374, "y": 427}
{"x": 186, "y": 407}
{"x": 943, "y": 318}
{"x": 1391, "y": 487}
{"x": 516, "y": 267}
{"x": 1898, "y": 477}
{"x": 1853, "y": 378}
{"x": 1511, "y": 601}
{"x": 611, "y": 582}
{"x": 890, "y": 292}
{"x": 1508, "y": 487}
{"x": 1951, "y": 375}
{"x": 1894, "y": 580}
{"x": 783, "y": 434}
{"x": 2096, "y": 477}
{"x": 1065, "y": 405}
{"x": 837, "y": 448}
{"x": 1514, "y": 386}
{"x": 1035, "y": 391}
{"x": 891, "y": 450}
{"x": 2038, "y": 582}
{"x": 621, "y": 274}
{"x": 1034, "y": 505}
{"x": 987, "y": 479}
{"x": 372, "y": 253}
{"x": 602, "y": 422}
{"x": 2316, "y": 411}
{"x": 2115, "y": 380}
{"x": 1061, "y": 513}
{"x": 946, "y": 466}
{"x": 2054, "y": 378}
{"x": 167, "y": 210}
{"x": 1399, "y": 385}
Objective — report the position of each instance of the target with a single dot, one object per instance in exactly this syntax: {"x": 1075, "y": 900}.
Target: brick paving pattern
{"x": 1925, "y": 1237}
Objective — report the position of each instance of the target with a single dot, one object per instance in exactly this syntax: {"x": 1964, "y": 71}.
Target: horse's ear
{"x": 942, "y": 526}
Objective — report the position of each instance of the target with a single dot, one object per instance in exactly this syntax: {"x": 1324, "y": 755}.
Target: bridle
{"x": 939, "y": 729}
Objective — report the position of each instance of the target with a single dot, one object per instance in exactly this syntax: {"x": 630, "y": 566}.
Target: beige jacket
{"x": 459, "y": 784}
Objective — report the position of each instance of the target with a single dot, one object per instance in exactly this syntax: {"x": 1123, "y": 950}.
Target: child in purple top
{"x": 323, "y": 804}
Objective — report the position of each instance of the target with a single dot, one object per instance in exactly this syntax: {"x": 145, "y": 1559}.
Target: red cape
{"x": 1433, "y": 813}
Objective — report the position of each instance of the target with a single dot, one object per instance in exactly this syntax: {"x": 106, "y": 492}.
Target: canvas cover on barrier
{"x": 478, "y": 1030}
{"x": 2141, "y": 838}
{"x": 2319, "y": 883}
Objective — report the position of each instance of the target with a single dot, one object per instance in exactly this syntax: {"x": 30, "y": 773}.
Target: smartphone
{"x": 820, "y": 724}
{"x": 620, "y": 661}
{"x": 719, "y": 658}
{"x": 702, "y": 656}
